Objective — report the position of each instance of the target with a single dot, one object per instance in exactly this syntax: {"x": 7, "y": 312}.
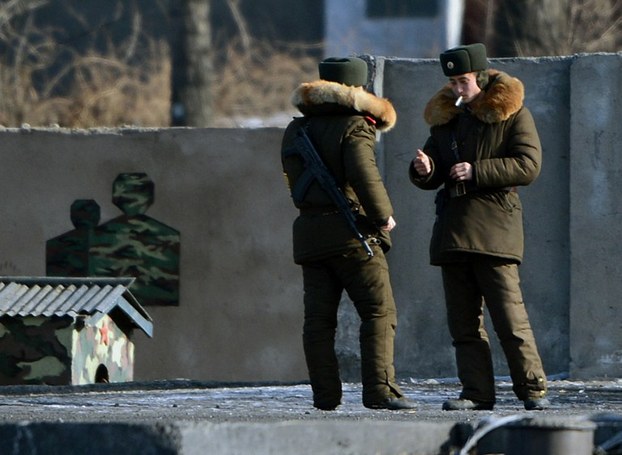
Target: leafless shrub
{"x": 103, "y": 91}
{"x": 259, "y": 82}
{"x": 564, "y": 27}
{"x": 106, "y": 91}
{"x": 595, "y": 26}
{"x": 97, "y": 89}
{"x": 545, "y": 27}
{"x": 130, "y": 84}
{"x": 255, "y": 78}
{"x": 13, "y": 8}
{"x": 25, "y": 51}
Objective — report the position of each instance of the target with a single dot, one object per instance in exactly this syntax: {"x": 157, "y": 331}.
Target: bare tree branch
{"x": 245, "y": 39}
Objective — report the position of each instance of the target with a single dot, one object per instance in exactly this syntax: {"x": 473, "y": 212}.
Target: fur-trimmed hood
{"x": 502, "y": 97}
{"x": 321, "y": 97}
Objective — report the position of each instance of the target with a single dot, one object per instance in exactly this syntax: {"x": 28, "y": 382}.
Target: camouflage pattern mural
{"x": 61, "y": 351}
{"x": 69, "y": 254}
{"x": 131, "y": 245}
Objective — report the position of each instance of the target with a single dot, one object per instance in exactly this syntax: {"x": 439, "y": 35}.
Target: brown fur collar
{"x": 503, "y": 97}
{"x": 314, "y": 98}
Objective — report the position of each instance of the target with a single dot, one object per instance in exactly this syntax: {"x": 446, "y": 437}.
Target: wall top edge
{"x": 501, "y": 59}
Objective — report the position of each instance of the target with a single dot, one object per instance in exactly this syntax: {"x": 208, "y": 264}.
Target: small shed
{"x": 61, "y": 331}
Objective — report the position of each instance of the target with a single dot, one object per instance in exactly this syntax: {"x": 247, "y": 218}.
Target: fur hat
{"x": 464, "y": 59}
{"x": 348, "y": 70}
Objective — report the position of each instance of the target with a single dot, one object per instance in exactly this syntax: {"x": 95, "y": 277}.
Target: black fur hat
{"x": 464, "y": 59}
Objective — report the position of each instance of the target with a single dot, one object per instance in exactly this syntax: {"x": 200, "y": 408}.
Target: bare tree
{"x": 559, "y": 27}
{"x": 195, "y": 104}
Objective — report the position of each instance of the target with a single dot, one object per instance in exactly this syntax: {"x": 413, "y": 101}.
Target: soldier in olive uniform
{"x": 341, "y": 120}
{"x": 483, "y": 144}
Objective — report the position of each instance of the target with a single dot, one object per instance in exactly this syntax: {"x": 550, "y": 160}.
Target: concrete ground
{"x": 192, "y": 417}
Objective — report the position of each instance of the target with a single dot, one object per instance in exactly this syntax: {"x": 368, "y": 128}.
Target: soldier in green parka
{"x": 341, "y": 119}
{"x": 483, "y": 144}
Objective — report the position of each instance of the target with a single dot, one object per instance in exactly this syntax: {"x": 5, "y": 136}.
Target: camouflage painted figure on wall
{"x": 131, "y": 245}
{"x": 68, "y": 254}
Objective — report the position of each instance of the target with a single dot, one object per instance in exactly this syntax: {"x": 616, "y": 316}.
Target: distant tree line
{"x": 199, "y": 62}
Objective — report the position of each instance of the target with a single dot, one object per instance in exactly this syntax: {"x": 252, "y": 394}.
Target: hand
{"x": 422, "y": 164}
{"x": 389, "y": 226}
{"x": 461, "y": 172}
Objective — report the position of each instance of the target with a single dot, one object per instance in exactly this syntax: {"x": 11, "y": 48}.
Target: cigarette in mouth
{"x": 458, "y": 101}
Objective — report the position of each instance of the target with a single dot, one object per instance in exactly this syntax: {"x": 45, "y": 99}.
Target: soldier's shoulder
{"x": 362, "y": 122}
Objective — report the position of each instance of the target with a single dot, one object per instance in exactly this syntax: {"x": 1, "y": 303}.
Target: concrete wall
{"x": 240, "y": 311}
{"x": 240, "y": 315}
{"x": 595, "y": 246}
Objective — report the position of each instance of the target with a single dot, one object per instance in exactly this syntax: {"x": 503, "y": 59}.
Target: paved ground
{"x": 187, "y": 400}
{"x": 225, "y": 417}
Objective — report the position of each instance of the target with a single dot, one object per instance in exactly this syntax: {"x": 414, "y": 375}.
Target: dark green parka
{"x": 341, "y": 122}
{"x": 498, "y": 137}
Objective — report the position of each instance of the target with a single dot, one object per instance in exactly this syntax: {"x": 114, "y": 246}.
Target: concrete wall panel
{"x": 240, "y": 311}
{"x": 596, "y": 217}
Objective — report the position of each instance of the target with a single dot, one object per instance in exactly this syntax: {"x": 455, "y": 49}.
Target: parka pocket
{"x": 507, "y": 200}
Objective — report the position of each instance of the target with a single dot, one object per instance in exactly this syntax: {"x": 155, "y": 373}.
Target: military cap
{"x": 344, "y": 70}
{"x": 464, "y": 59}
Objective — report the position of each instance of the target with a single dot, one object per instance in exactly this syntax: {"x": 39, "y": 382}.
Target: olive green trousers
{"x": 495, "y": 282}
{"x": 366, "y": 281}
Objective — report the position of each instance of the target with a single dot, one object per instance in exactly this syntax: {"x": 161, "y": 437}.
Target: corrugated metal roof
{"x": 61, "y": 296}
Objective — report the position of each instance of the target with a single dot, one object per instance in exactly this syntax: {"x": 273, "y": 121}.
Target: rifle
{"x": 315, "y": 169}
